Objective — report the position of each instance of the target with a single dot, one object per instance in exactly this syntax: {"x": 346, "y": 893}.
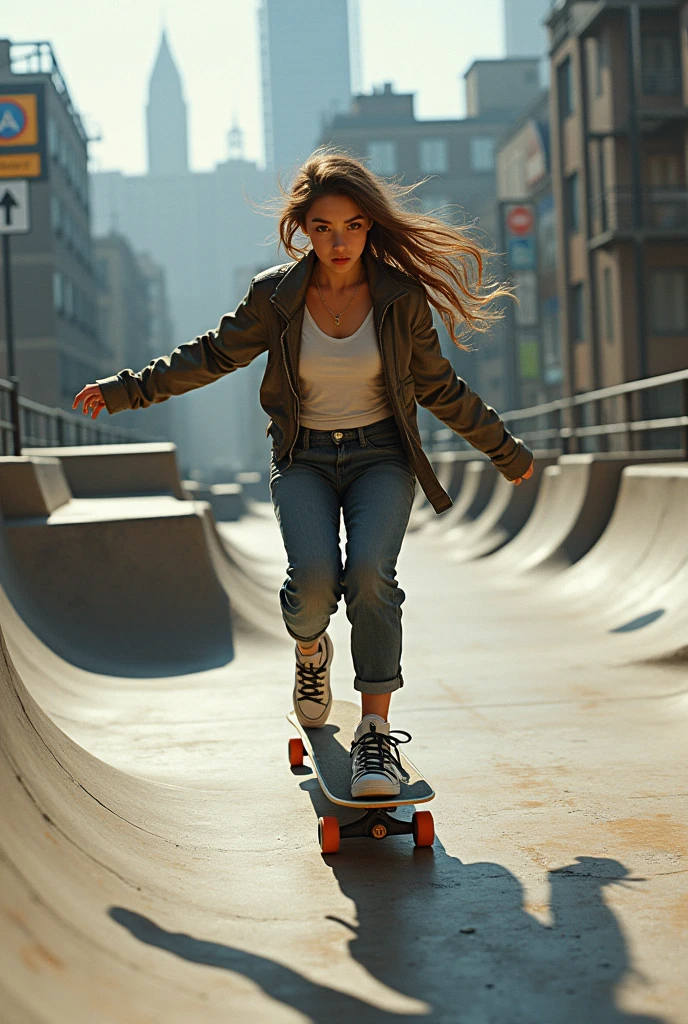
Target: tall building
{"x": 214, "y": 231}
{"x": 306, "y": 77}
{"x": 166, "y": 117}
{"x": 132, "y": 310}
{"x": 54, "y": 284}
{"x": 619, "y": 123}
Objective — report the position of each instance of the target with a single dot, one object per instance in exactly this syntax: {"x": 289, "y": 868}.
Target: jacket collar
{"x": 290, "y": 293}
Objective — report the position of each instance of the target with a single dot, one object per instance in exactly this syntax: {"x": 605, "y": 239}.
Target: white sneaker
{"x": 312, "y": 694}
{"x": 375, "y": 766}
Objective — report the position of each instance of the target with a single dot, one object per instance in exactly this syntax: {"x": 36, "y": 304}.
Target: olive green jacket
{"x": 269, "y": 319}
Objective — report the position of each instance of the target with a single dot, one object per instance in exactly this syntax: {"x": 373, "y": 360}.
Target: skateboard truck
{"x": 377, "y": 823}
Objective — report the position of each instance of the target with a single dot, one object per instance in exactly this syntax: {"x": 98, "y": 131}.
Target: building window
{"x": 661, "y": 67}
{"x": 382, "y": 157}
{"x": 551, "y": 341}
{"x": 482, "y": 149}
{"x": 601, "y": 61}
{"x": 68, "y": 292}
{"x": 56, "y": 215}
{"x": 53, "y": 138}
{"x": 435, "y": 204}
{"x": 608, "y": 305}
{"x": 565, "y": 89}
{"x": 669, "y": 301}
{"x": 434, "y": 156}
{"x": 577, "y": 313}
{"x": 572, "y": 205}
{"x": 58, "y": 291}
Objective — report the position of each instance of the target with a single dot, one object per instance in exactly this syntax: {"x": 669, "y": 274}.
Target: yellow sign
{"x": 20, "y": 165}
{"x": 18, "y": 120}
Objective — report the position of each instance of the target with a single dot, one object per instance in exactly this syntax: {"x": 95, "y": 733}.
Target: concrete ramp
{"x": 159, "y": 859}
{"x": 573, "y": 506}
{"x": 634, "y": 581}
{"x": 506, "y": 512}
{"x": 122, "y": 584}
{"x": 477, "y": 484}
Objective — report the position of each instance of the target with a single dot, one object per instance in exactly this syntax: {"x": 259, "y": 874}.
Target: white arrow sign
{"x": 14, "y": 207}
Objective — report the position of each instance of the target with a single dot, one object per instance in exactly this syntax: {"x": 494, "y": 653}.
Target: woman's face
{"x": 337, "y": 230}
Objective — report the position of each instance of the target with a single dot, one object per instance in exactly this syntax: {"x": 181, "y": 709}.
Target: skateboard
{"x": 328, "y": 749}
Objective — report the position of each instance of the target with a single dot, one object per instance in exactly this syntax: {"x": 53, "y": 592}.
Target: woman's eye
{"x": 321, "y": 227}
{"x": 356, "y": 225}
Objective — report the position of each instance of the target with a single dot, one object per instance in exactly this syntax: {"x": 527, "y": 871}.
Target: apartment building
{"x": 58, "y": 347}
{"x": 619, "y": 122}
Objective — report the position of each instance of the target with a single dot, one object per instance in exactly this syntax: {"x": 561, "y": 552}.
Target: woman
{"x": 351, "y": 347}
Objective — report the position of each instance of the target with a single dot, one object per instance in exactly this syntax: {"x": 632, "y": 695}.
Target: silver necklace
{"x": 337, "y": 315}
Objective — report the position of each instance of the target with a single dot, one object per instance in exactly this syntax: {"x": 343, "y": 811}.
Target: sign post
{"x": 14, "y": 220}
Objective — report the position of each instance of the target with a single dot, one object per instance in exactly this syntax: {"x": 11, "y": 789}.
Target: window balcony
{"x": 663, "y": 213}
{"x": 661, "y": 81}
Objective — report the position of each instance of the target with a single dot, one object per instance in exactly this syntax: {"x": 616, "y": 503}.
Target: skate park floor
{"x": 163, "y": 860}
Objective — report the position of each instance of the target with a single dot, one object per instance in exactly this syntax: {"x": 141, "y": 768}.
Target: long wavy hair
{"x": 443, "y": 257}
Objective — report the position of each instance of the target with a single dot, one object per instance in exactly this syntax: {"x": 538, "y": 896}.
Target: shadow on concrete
{"x": 454, "y": 936}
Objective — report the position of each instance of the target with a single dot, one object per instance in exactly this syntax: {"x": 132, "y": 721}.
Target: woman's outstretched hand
{"x": 92, "y": 398}
{"x": 526, "y": 475}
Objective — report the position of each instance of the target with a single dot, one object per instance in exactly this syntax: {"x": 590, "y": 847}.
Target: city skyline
{"x": 397, "y": 45}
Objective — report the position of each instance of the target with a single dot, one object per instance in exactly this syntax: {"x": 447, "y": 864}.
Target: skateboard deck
{"x": 328, "y": 750}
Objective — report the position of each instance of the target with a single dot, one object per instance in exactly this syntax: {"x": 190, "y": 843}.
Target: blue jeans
{"x": 365, "y": 472}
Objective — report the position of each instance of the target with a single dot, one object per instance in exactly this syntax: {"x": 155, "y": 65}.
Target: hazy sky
{"x": 106, "y": 52}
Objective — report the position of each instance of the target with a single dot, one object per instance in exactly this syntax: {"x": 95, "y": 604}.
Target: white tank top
{"x": 341, "y": 379}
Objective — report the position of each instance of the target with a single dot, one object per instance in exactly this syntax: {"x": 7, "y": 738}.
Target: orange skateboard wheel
{"x": 328, "y": 834}
{"x": 423, "y": 828}
{"x": 296, "y": 751}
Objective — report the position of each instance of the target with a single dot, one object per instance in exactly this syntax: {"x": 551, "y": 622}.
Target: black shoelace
{"x": 378, "y": 752}
{"x": 310, "y": 684}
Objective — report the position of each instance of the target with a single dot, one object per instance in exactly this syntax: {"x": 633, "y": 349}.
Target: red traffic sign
{"x": 519, "y": 220}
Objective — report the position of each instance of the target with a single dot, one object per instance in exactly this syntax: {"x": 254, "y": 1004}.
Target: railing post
{"x": 684, "y": 404}
{"x": 15, "y": 415}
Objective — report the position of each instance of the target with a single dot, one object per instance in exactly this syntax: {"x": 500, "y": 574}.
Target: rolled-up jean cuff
{"x": 386, "y": 686}
{"x": 302, "y": 639}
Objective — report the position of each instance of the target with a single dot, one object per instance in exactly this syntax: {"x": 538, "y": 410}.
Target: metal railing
{"x": 661, "y": 81}
{"x": 662, "y": 208}
{"x": 43, "y": 427}
{"x": 624, "y": 417}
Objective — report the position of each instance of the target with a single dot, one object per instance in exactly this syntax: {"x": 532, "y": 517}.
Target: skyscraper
{"x": 166, "y": 117}
{"x": 305, "y": 64}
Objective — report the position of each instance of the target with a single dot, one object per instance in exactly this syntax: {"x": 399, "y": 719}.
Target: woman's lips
{"x": 341, "y": 259}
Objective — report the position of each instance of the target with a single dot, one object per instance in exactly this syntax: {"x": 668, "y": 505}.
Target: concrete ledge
{"x": 31, "y": 486}
{"x": 256, "y": 485}
{"x": 228, "y": 502}
{"x": 104, "y": 470}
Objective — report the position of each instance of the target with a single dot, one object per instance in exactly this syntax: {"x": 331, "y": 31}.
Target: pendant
{"x": 336, "y": 320}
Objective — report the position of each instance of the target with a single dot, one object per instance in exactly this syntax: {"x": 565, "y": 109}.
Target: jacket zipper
{"x": 296, "y": 397}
